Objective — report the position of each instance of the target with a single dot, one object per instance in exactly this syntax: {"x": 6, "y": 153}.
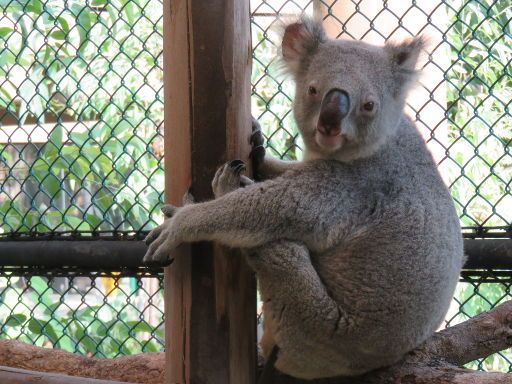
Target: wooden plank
{"x": 210, "y": 292}
{"x": 22, "y": 376}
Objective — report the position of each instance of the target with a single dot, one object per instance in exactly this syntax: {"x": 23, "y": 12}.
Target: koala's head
{"x": 349, "y": 95}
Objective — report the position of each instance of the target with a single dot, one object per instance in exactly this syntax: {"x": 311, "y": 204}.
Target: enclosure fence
{"x": 81, "y": 146}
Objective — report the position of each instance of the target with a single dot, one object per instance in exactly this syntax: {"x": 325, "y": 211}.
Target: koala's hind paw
{"x": 257, "y": 154}
{"x": 229, "y": 178}
{"x": 170, "y": 210}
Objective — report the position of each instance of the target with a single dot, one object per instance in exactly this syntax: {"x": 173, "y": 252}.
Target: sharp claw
{"x": 255, "y": 125}
{"x": 240, "y": 168}
{"x": 257, "y": 138}
{"x": 258, "y": 152}
{"x": 235, "y": 163}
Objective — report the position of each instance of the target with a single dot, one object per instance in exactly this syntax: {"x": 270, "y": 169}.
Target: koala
{"x": 358, "y": 248}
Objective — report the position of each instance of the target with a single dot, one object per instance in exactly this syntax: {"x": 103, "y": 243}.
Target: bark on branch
{"x": 476, "y": 338}
{"x": 142, "y": 368}
{"x": 437, "y": 361}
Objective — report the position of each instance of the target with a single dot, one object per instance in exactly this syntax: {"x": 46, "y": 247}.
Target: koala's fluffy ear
{"x": 404, "y": 58}
{"x": 300, "y": 41}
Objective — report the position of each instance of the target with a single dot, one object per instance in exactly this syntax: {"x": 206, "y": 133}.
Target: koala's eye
{"x": 368, "y": 106}
{"x": 312, "y": 90}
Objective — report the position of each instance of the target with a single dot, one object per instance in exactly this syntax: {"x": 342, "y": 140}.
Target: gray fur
{"x": 357, "y": 249}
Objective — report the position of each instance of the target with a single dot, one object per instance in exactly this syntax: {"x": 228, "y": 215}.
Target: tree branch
{"x": 476, "y": 338}
{"x": 141, "y": 368}
{"x": 437, "y": 361}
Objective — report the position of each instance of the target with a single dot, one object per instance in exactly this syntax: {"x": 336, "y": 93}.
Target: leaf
{"x": 93, "y": 220}
{"x": 35, "y": 326}
{"x": 55, "y": 136}
{"x": 64, "y": 25}
{"x": 89, "y": 344}
{"x": 85, "y": 21}
{"x": 139, "y": 326}
{"x": 58, "y": 35}
{"x": 49, "y": 331}
{"x": 35, "y": 6}
{"x": 151, "y": 346}
{"x": 4, "y": 31}
{"x": 15, "y": 320}
{"x": 39, "y": 285}
{"x": 52, "y": 185}
{"x": 73, "y": 222}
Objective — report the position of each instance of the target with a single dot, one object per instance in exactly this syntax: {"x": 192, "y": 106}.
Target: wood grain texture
{"x": 141, "y": 368}
{"x": 210, "y": 292}
{"x": 435, "y": 362}
{"x": 21, "y": 376}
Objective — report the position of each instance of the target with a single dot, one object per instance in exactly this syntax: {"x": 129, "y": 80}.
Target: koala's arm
{"x": 245, "y": 218}
{"x": 270, "y": 167}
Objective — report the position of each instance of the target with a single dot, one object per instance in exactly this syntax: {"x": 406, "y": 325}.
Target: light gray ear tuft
{"x": 300, "y": 41}
{"x": 404, "y": 59}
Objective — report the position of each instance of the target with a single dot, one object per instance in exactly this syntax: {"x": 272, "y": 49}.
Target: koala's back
{"x": 394, "y": 270}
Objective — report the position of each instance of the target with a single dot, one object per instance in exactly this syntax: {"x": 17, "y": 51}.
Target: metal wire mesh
{"x": 81, "y": 109}
{"x": 480, "y": 291}
{"x": 101, "y": 314}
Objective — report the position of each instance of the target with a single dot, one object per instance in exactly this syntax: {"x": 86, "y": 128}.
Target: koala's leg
{"x": 299, "y": 315}
{"x": 266, "y": 167}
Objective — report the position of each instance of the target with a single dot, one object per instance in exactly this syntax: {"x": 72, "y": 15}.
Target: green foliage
{"x": 98, "y": 321}
{"x": 479, "y": 90}
{"x": 95, "y": 64}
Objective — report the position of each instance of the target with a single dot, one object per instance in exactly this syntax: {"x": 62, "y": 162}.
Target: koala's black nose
{"x": 335, "y": 106}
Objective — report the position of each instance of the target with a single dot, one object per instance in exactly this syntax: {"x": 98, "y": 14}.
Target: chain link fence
{"x": 81, "y": 109}
{"x": 101, "y": 314}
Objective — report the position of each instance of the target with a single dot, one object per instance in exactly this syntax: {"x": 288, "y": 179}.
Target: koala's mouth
{"x": 330, "y": 141}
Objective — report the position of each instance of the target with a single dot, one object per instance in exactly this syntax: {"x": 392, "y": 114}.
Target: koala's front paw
{"x": 161, "y": 240}
{"x": 257, "y": 154}
{"x": 229, "y": 178}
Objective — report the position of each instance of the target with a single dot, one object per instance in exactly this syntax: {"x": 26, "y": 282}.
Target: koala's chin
{"x": 330, "y": 143}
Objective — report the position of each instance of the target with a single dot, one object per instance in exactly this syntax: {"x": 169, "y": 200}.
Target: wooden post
{"x": 210, "y": 293}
